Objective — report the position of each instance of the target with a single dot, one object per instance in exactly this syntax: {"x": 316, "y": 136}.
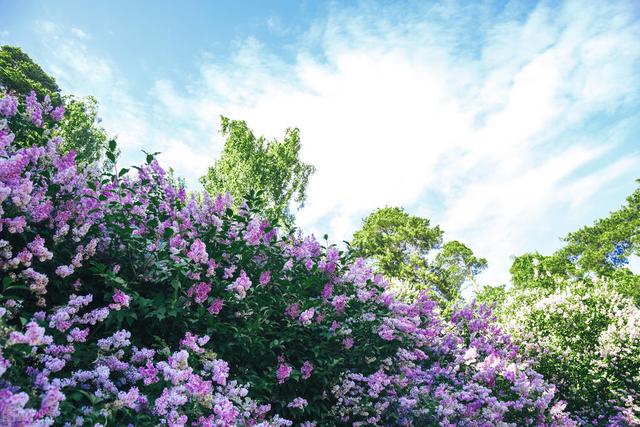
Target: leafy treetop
{"x": 402, "y": 247}
{"x": 20, "y": 74}
{"x": 272, "y": 169}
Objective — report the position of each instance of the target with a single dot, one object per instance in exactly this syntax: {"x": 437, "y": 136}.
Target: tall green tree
{"x": 81, "y": 131}
{"x": 80, "y": 127}
{"x": 409, "y": 250}
{"x": 606, "y": 245}
{"x": 456, "y": 264}
{"x": 270, "y": 170}
{"x": 20, "y": 74}
{"x": 599, "y": 251}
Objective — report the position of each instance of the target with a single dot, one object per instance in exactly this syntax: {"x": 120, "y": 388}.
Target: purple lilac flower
{"x": 199, "y": 292}
{"x": 306, "y": 370}
{"x": 347, "y": 343}
{"x": 8, "y": 106}
{"x": 292, "y": 310}
{"x": 34, "y": 109}
{"x": 216, "y": 306}
{"x": 265, "y": 277}
{"x": 241, "y": 285}
{"x": 298, "y": 403}
{"x": 307, "y": 316}
{"x": 194, "y": 342}
{"x": 339, "y": 302}
{"x": 34, "y": 336}
{"x": 64, "y": 270}
{"x": 58, "y": 113}
{"x": 219, "y": 370}
{"x": 198, "y": 252}
{"x": 283, "y": 372}
{"x": 120, "y": 299}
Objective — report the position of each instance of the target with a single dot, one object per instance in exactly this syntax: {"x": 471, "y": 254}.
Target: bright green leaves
{"x": 251, "y": 165}
{"x": 81, "y": 131}
{"x": 20, "y": 74}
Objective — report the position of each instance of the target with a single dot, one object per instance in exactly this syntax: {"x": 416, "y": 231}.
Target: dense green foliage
{"x": 408, "y": 249}
{"x": 272, "y": 169}
{"x": 81, "y": 131}
{"x": 20, "y": 74}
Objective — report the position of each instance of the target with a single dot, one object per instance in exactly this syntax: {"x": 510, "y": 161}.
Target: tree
{"x": 599, "y": 251}
{"x": 20, "y": 74}
{"x": 606, "y": 245}
{"x": 457, "y": 264}
{"x": 80, "y": 127}
{"x": 81, "y": 131}
{"x": 404, "y": 247}
{"x": 271, "y": 169}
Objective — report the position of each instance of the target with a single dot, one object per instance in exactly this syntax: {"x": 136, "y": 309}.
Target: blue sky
{"x": 507, "y": 123}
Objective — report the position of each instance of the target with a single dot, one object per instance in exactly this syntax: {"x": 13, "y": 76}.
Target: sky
{"x": 507, "y": 123}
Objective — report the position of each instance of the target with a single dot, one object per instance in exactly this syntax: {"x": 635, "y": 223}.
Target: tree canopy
{"x": 81, "y": 130}
{"x": 271, "y": 169}
{"x": 20, "y": 74}
{"x": 408, "y": 249}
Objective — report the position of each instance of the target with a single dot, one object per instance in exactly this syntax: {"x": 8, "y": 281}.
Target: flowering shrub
{"x": 586, "y": 338}
{"x": 126, "y": 301}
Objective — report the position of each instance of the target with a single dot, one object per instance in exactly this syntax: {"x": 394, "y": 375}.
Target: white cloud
{"x": 80, "y": 33}
{"x": 482, "y": 125}
{"x": 389, "y": 116}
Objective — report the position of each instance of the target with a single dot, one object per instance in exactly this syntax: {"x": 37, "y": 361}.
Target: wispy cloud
{"x": 497, "y": 122}
{"x": 80, "y": 33}
{"x": 138, "y": 124}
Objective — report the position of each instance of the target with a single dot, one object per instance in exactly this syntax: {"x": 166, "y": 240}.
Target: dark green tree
{"x": 409, "y": 250}
{"x": 20, "y": 74}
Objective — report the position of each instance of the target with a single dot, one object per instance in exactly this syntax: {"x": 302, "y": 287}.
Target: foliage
{"x": 80, "y": 126}
{"x": 406, "y": 248}
{"x": 586, "y": 338}
{"x": 18, "y": 73}
{"x": 577, "y": 311}
{"x": 601, "y": 250}
{"x": 492, "y": 295}
{"x": 126, "y": 302}
{"x": 457, "y": 264}
{"x": 271, "y": 169}
{"x": 81, "y": 131}
{"x": 606, "y": 245}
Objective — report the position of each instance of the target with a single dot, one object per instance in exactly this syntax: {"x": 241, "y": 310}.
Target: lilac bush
{"x": 126, "y": 300}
